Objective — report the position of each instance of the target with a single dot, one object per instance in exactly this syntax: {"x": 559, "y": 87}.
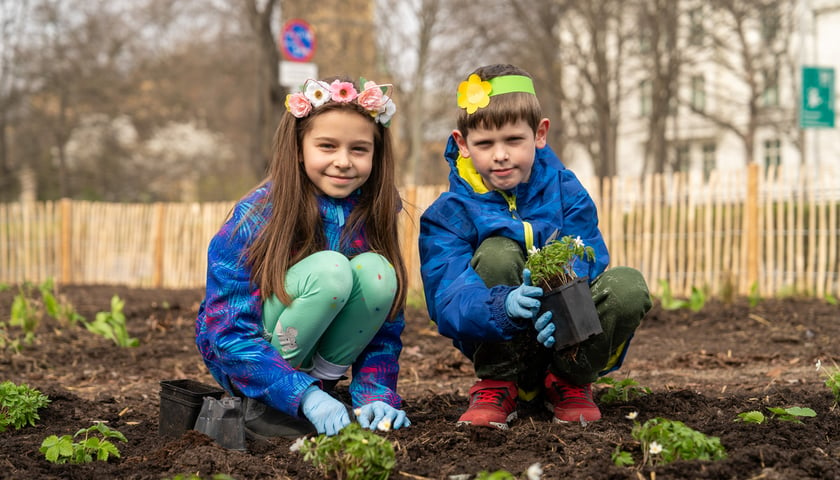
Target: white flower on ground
{"x": 819, "y": 364}
{"x": 655, "y": 448}
{"x": 295, "y": 447}
{"x": 384, "y": 425}
{"x": 534, "y": 472}
{"x": 631, "y": 415}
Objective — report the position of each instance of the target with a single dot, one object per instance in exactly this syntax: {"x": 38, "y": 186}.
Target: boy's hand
{"x": 521, "y": 303}
{"x": 545, "y": 330}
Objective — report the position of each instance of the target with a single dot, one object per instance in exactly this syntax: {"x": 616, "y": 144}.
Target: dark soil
{"x": 703, "y": 369}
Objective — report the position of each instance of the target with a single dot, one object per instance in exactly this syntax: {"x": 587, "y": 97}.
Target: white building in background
{"x": 699, "y": 145}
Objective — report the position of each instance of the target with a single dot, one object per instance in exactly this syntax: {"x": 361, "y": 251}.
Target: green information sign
{"x": 817, "y": 109}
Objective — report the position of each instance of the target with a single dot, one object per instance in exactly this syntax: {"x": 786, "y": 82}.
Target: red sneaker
{"x": 571, "y": 403}
{"x": 492, "y": 404}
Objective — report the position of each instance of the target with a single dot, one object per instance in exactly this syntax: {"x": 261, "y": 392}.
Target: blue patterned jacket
{"x": 452, "y": 228}
{"x": 229, "y": 324}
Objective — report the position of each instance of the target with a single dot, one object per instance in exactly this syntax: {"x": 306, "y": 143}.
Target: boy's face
{"x": 503, "y": 156}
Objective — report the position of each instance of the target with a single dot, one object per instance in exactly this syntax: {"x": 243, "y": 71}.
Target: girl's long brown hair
{"x": 294, "y": 230}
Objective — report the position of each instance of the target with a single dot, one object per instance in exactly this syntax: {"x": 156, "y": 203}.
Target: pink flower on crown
{"x": 371, "y": 98}
{"x": 342, "y": 92}
{"x": 298, "y": 105}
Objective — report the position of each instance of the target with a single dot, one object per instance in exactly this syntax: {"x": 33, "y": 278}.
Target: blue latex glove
{"x": 373, "y": 414}
{"x": 327, "y": 414}
{"x": 545, "y": 330}
{"x": 521, "y": 303}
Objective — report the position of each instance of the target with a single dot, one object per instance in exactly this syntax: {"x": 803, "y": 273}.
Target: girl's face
{"x": 338, "y": 152}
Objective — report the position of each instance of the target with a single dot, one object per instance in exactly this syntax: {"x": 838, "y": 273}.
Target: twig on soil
{"x": 416, "y": 477}
{"x": 760, "y": 320}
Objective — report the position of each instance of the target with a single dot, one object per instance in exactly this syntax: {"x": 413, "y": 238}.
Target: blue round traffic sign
{"x": 297, "y": 41}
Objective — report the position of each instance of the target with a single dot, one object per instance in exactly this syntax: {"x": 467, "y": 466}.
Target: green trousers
{"x": 338, "y": 305}
{"x": 621, "y": 299}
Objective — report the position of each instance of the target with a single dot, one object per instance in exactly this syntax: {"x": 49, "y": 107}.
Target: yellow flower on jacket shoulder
{"x": 473, "y": 93}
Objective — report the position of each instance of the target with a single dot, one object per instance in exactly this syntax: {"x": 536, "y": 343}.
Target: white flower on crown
{"x": 318, "y": 93}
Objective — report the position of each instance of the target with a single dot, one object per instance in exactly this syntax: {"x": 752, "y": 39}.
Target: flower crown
{"x": 475, "y": 93}
{"x": 315, "y": 93}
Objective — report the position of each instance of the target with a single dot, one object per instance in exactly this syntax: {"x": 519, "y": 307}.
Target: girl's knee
{"x": 332, "y": 271}
{"x": 375, "y": 275}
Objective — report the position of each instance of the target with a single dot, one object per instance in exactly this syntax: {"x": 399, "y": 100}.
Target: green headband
{"x": 475, "y": 93}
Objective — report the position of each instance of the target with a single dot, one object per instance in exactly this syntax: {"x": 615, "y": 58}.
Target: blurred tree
{"x": 749, "y": 41}
{"x": 12, "y": 88}
{"x": 661, "y": 57}
{"x": 595, "y": 34}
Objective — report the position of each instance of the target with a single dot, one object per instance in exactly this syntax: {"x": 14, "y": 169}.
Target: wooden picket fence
{"x": 739, "y": 232}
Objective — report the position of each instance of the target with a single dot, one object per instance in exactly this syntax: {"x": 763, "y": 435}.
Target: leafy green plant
{"x": 27, "y": 312}
{"x": 30, "y": 306}
{"x": 93, "y": 445}
{"x": 755, "y": 295}
{"x": 621, "y": 458}
{"x": 195, "y": 476}
{"x": 19, "y": 405}
{"x": 621, "y": 390}
{"x": 695, "y": 302}
{"x": 354, "y": 453}
{"x": 664, "y": 441}
{"x": 667, "y": 299}
{"x": 497, "y": 475}
{"x": 792, "y": 414}
{"x": 57, "y": 306}
{"x": 832, "y": 381}
{"x": 534, "y": 472}
{"x": 553, "y": 265}
{"x": 112, "y": 324}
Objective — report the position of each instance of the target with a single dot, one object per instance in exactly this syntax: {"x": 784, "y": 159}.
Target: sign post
{"x": 297, "y": 44}
{"x": 817, "y": 108}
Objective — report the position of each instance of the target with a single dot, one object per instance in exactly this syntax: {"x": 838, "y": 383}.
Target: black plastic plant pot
{"x": 223, "y": 421}
{"x": 573, "y": 313}
{"x": 180, "y": 403}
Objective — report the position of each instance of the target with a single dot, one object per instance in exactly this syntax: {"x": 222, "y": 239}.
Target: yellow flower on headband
{"x": 474, "y": 93}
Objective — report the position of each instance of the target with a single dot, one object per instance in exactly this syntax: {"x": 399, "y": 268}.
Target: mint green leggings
{"x": 338, "y": 305}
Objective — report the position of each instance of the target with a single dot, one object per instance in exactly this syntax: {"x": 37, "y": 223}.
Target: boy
{"x": 509, "y": 193}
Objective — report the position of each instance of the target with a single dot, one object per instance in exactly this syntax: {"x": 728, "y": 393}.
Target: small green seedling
{"x": 19, "y": 405}
{"x": 112, "y": 325}
{"x": 94, "y": 445}
{"x": 620, "y": 458}
{"x": 694, "y": 303}
{"x": 832, "y": 381}
{"x": 27, "y": 312}
{"x": 195, "y": 476}
{"x": 664, "y": 441}
{"x": 497, "y": 475}
{"x": 621, "y": 390}
{"x": 353, "y": 454}
{"x": 792, "y": 414}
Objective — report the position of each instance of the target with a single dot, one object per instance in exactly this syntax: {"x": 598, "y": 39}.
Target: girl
{"x": 306, "y": 277}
